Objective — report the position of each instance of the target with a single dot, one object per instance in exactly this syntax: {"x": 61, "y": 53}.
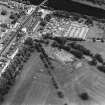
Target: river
{"x": 73, "y": 7}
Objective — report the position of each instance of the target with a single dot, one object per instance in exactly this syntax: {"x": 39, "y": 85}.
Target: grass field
{"x": 34, "y": 86}
{"x": 25, "y": 83}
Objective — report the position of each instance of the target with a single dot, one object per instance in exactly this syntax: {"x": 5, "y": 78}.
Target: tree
{"x": 60, "y": 40}
{"x": 46, "y": 65}
{"x": 11, "y": 82}
{"x": 94, "y": 39}
{"x": 55, "y": 44}
{"x": 3, "y": 86}
{"x": 77, "y": 54}
{"x": 99, "y": 58}
{"x": 66, "y": 48}
{"x": 31, "y": 49}
{"x": 17, "y": 60}
{"x": 28, "y": 54}
{"x": 15, "y": 63}
{"x": 93, "y": 62}
{"x": 74, "y": 45}
{"x": 4, "y": 25}
{"x": 99, "y": 2}
{"x": 1, "y": 99}
{"x": 54, "y": 83}
{"x": 101, "y": 68}
{"x": 60, "y": 94}
{"x": 42, "y": 23}
{"x": 80, "y": 48}
{"x": 84, "y": 96}
{"x": 12, "y": 16}
{"x": 28, "y": 41}
{"x": 28, "y": 2}
{"x": 20, "y": 67}
{"x": 48, "y": 17}
{"x": 21, "y": 13}
{"x": 6, "y": 75}
{"x": 102, "y": 40}
{"x": 4, "y": 12}
{"x": 9, "y": 72}
{"x": 13, "y": 21}
{"x": 12, "y": 69}
{"x": 37, "y": 47}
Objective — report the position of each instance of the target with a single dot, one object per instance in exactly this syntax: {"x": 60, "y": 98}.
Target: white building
{"x": 16, "y": 25}
{"x": 24, "y": 29}
{"x": 63, "y": 56}
{"x": 30, "y": 10}
{"x": 77, "y": 30}
{"x": 13, "y": 55}
{"x": 44, "y": 12}
{"x": 4, "y": 68}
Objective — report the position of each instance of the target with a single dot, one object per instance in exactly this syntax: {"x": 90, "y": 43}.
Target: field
{"x": 96, "y": 31}
{"x": 34, "y": 86}
{"x": 5, "y": 18}
{"x": 96, "y": 47}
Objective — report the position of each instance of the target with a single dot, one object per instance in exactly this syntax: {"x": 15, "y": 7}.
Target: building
{"x": 14, "y": 53}
{"x": 77, "y": 30}
{"x": 30, "y": 10}
{"x": 63, "y": 56}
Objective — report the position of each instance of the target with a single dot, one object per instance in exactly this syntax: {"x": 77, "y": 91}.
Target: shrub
{"x": 99, "y": 58}
{"x": 101, "y": 68}
{"x": 93, "y": 62}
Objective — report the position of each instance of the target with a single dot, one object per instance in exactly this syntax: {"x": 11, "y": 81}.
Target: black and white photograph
{"x": 52, "y": 52}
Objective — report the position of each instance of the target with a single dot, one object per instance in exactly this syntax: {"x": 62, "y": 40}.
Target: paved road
{"x": 19, "y": 28}
{"x": 22, "y": 24}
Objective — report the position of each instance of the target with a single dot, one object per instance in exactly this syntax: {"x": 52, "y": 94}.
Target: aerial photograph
{"x": 52, "y": 52}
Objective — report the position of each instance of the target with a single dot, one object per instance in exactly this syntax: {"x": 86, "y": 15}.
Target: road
{"x": 19, "y": 28}
{"x": 22, "y": 24}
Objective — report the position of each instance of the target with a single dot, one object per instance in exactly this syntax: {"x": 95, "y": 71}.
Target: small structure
{"x": 13, "y": 55}
{"x": 63, "y": 56}
{"x": 78, "y": 65}
{"x": 77, "y": 30}
{"x": 30, "y": 10}
{"x": 4, "y": 67}
{"x": 16, "y": 25}
{"x": 24, "y": 29}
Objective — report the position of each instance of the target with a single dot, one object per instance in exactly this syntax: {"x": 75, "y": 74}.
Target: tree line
{"x": 78, "y": 51}
{"x": 8, "y": 77}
